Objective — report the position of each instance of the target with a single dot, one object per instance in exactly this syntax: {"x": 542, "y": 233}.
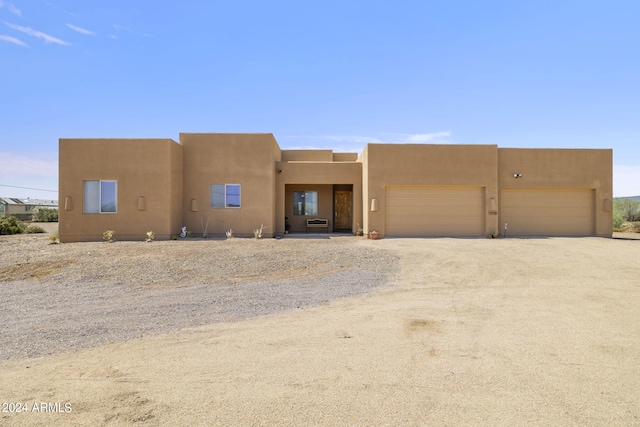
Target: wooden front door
{"x": 342, "y": 203}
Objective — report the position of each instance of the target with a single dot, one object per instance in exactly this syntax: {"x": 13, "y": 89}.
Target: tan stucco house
{"x": 240, "y": 181}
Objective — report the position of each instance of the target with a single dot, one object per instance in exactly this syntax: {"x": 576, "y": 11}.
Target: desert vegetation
{"x": 40, "y": 214}
{"x": 626, "y": 215}
{"x": 11, "y": 225}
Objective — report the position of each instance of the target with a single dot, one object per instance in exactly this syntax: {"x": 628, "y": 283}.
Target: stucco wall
{"x": 245, "y": 159}
{"x": 432, "y": 165}
{"x": 325, "y": 206}
{"x": 345, "y": 157}
{"x": 307, "y": 155}
{"x": 142, "y": 168}
{"x": 176, "y": 192}
{"x": 175, "y": 181}
{"x": 293, "y": 173}
{"x": 562, "y": 168}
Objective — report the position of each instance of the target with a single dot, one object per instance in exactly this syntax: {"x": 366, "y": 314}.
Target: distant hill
{"x": 631, "y": 197}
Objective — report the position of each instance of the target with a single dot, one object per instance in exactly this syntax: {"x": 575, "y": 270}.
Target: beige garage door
{"x": 434, "y": 211}
{"x": 547, "y": 212}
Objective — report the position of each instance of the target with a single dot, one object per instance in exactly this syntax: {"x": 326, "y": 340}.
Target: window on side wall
{"x": 100, "y": 197}
{"x": 305, "y": 203}
{"x": 225, "y": 196}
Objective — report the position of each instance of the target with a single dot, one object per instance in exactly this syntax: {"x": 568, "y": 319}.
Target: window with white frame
{"x": 100, "y": 197}
{"x": 305, "y": 203}
{"x": 225, "y": 196}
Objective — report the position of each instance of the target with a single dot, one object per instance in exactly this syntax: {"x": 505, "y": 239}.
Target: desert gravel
{"x": 466, "y": 332}
{"x": 61, "y": 297}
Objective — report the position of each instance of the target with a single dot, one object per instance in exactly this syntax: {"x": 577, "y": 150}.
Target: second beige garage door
{"x": 434, "y": 211}
{"x": 548, "y": 212}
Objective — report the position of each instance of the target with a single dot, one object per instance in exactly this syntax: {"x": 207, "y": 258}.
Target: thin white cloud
{"x": 119, "y": 27}
{"x": 11, "y": 8}
{"x": 81, "y": 30}
{"x": 17, "y": 165}
{"x": 111, "y": 36}
{"x": 13, "y": 40}
{"x": 337, "y": 143}
{"x": 39, "y": 34}
{"x": 425, "y": 138}
{"x": 358, "y": 139}
{"x": 626, "y": 180}
{"x": 392, "y": 138}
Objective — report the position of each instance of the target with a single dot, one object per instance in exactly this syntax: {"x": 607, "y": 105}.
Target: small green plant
{"x": 189, "y": 233}
{"x": 33, "y": 229}
{"x": 150, "y": 236}
{"x": 54, "y": 237}
{"x": 108, "y": 236}
{"x": 174, "y": 237}
{"x": 360, "y": 231}
{"x": 229, "y": 233}
{"x": 10, "y": 225}
{"x": 257, "y": 233}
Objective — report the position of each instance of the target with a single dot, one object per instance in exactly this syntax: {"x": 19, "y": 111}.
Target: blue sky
{"x": 331, "y": 74}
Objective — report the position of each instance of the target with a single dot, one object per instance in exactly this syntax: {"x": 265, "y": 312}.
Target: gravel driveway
{"x": 64, "y": 297}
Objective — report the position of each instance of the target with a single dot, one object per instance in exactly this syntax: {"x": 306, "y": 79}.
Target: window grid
{"x": 226, "y": 196}
{"x": 100, "y": 197}
{"x": 305, "y": 203}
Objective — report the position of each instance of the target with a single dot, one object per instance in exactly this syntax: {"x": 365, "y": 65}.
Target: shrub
{"x": 618, "y": 219}
{"x": 10, "y": 225}
{"x": 625, "y": 210}
{"x": 44, "y": 214}
{"x": 108, "y": 235}
{"x": 150, "y": 236}
{"x": 32, "y": 229}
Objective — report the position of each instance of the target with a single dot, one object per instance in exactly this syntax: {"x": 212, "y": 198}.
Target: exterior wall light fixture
{"x": 517, "y": 175}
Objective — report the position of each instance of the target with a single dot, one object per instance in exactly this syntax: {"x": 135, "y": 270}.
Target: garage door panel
{"x": 445, "y": 228}
{"x": 434, "y": 211}
{"x": 457, "y": 212}
{"x": 548, "y": 212}
{"x": 432, "y": 203}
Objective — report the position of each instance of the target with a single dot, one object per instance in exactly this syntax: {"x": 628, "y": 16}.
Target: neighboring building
{"x": 22, "y": 207}
{"x": 240, "y": 181}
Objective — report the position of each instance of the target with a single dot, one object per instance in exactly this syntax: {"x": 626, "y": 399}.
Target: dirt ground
{"x": 471, "y": 332}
